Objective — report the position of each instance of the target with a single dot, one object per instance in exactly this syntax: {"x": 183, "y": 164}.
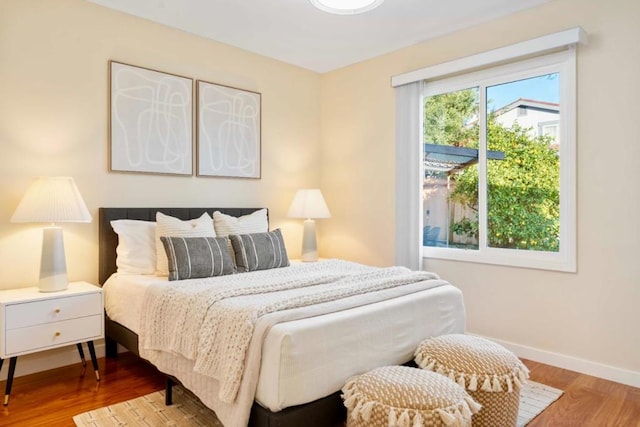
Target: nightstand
{"x": 33, "y": 321}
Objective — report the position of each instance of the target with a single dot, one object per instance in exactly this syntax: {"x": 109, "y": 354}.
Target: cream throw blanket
{"x": 211, "y": 321}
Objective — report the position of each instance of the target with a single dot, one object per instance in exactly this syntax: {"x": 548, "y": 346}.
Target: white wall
{"x": 586, "y": 321}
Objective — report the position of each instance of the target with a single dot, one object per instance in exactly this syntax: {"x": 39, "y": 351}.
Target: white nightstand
{"x": 33, "y": 321}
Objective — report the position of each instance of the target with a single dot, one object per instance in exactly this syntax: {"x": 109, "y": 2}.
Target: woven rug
{"x": 187, "y": 411}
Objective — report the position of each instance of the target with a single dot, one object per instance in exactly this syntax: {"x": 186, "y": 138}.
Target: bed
{"x": 304, "y": 362}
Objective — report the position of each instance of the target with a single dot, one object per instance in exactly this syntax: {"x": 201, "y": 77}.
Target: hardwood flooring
{"x": 52, "y": 398}
{"x": 587, "y": 400}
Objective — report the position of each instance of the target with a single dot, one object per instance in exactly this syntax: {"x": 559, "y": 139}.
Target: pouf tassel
{"x": 486, "y": 385}
{"x": 522, "y": 376}
{"x": 459, "y": 417}
{"x": 496, "y": 384}
{"x": 367, "y": 408}
{"x": 417, "y": 420}
{"x": 509, "y": 384}
{"x": 452, "y": 376}
{"x": 350, "y": 402}
{"x": 419, "y": 358}
{"x": 461, "y": 381}
{"x": 447, "y": 418}
{"x": 466, "y": 411}
{"x": 405, "y": 419}
{"x": 473, "y": 383}
{"x": 517, "y": 381}
{"x": 473, "y": 405}
{"x": 440, "y": 370}
{"x": 357, "y": 409}
{"x": 393, "y": 419}
{"x": 431, "y": 365}
{"x": 349, "y": 386}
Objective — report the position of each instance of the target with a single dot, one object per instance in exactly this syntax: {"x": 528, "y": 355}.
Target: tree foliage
{"x": 523, "y": 192}
{"x": 447, "y": 118}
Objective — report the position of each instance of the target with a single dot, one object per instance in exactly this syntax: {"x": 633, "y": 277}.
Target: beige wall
{"x": 592, "y": 315}
{"x": 53, "y": 121}
{"x": 336, "y": 130}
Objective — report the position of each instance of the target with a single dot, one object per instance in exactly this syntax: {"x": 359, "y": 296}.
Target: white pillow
{"x": 173, "y": 227}
{"x": 255, "y": 222}
{"x": 136, "y": 250}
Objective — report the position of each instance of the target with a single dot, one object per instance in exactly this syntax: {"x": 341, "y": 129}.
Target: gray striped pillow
{"x": 194, "y": 257}
{"x": 259, "y": 251}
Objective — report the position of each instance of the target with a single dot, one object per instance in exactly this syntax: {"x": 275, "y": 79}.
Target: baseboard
{"x": 50, "y": 359}
{"x": 611, "y": 373}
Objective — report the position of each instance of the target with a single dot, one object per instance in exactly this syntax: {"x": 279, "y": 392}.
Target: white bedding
{"x": 307, "y": 359}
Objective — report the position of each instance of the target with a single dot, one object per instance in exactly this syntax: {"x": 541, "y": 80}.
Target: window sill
{"x": 554, "y": 261}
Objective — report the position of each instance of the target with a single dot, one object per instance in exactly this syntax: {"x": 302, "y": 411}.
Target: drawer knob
{"x": 57, "y": 334}
{"x": 56, "y": 311}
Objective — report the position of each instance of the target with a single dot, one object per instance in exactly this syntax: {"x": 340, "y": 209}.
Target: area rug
{"x": 187, "y": 411}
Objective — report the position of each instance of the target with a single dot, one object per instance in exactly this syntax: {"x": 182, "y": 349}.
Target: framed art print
{"x": 151, "y": 121}
{"x": 228, "y": 131}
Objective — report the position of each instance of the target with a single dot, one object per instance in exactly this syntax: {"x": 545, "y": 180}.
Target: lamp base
{"x": 309, "y": 243}
{"x": 53, "y": 266}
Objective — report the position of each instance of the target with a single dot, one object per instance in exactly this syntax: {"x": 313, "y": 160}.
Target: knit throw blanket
{"x": 211, "y": 321}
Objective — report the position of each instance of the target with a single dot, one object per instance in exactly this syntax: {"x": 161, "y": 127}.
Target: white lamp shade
{"x": 308, "y": 203}
{"x": 52, "y": 199}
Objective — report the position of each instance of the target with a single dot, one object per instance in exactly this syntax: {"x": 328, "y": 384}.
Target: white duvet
{"x": 176, "y": 355}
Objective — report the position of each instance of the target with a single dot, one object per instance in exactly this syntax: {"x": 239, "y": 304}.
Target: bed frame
{"x": 325, "y": 412}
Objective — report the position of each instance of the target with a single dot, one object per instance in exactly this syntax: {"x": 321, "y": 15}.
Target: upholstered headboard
{"x": 109, "y": 239}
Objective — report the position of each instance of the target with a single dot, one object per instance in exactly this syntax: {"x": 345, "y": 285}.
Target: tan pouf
{"x": 490, "y": 373}
{"x": 400, "y": 396}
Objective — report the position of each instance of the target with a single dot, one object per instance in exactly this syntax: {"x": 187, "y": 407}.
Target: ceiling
{"x": 295, "y": 32}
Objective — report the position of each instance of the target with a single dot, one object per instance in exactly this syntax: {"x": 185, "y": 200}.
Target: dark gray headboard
{"x": 109, "y": 239}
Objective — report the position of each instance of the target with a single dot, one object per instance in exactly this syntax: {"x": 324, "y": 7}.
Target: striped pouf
{"x": 400, "y": 396}
{"x": 490, "y": 373}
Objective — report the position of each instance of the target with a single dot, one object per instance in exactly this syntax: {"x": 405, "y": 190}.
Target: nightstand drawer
{"x": 54, "y": 334}
{"x": 52, "y": 310}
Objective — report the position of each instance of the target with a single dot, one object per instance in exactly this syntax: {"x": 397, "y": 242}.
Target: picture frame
{"x": 229, "y": 127}
{"x": 150, "y": 121}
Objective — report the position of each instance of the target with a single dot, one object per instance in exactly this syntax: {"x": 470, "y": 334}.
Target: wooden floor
{"x": 52, "y": 398}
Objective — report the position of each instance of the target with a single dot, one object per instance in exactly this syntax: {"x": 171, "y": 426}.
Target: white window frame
{"x": 563, "y": 62}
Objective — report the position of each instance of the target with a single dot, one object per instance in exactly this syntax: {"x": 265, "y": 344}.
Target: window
{"x": 499, "y": 165}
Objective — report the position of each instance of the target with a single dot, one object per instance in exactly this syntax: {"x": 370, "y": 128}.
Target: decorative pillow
{"x": 255, "y": 222}
{"x": 259, "y": 251}
{"x": 169, "y": 226}
{"x": 136, "y": 251}
{"x": 194, "y": 257}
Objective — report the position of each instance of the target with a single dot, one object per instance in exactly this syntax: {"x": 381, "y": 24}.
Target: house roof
{"x": 532, "y": 104}
{"x": 447, "y": 158}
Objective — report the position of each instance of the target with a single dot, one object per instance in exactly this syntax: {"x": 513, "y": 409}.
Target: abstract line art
{"x": 228, "y": 131}
{"x": 151, "y": 121}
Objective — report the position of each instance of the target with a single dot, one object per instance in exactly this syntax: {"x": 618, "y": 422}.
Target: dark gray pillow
{"x": 194, "y": 257}
{"x": 259, "y": 251}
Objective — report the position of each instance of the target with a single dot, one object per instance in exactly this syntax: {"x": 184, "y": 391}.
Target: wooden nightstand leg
{"x": 81, "y": 351}
{"x": 1, "y": 363}
{"x": 94, "y": 361}
{"x": 12, "y": 371}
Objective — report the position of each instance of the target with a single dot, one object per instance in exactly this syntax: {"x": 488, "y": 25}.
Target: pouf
{"x": 490, "y": 373}
{"x": 400, "y": 396}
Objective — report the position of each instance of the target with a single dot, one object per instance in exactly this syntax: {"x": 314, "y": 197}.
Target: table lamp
{"x": 309, "y": 204}
{"x": 52, "y": 200}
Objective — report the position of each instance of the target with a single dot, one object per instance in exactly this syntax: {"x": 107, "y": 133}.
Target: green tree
{"x": 523, "y": 192}
{"x": 448, "y": 117}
